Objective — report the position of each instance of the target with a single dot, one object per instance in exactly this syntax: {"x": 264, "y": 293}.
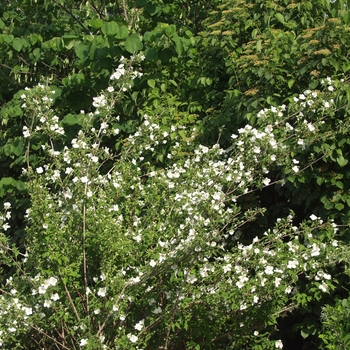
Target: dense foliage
{"x": 175, "y": 175}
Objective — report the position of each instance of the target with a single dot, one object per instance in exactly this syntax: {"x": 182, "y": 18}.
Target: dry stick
{"x": 111, "y": 312}
{"x": 70, "y": 298}
{"x": 125, "y": 13}
{"x": 56, "y": 342}
{"x": 174, "y": 309}
{"x": 84, "y": 255}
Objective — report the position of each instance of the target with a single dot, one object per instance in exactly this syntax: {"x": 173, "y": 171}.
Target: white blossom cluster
{"x": 170, "y": 235}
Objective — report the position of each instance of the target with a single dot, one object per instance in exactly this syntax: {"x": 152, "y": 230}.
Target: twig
{"x": 84, "y": 254}
{"x": 75, "y": 18}
{"x": 125, "y": 13}
{"x": 56, "y": 342}
{"x": 70, "y": 298}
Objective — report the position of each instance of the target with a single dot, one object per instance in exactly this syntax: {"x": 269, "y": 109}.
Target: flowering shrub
{"x": 120, "y": 254}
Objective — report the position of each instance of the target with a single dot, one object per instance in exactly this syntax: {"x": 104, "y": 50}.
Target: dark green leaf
{"x": 133, "y": 43}
{"x": 17, "y": 44}
{"x": 110, "y": 28}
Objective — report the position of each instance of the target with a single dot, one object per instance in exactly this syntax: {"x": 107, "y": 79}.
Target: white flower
{"x": 28, "y": 311}
{"x": 323, "y": 286}
{"x": 153, "y": 263}
{"x": 240, "y": 284}
{"x": 278, "y": 344}
{"x": 157, "y": 310}
{"x": 133, "y": 338}
{"x": 227, "y": 268}
{"x": 42, "y": 289}
{"x": 313, "y": 217}
{"x": 269, "y": 270}
{"x": 327, "y": 276}
{"x": 52, "y": 281}
{"x": 68, "y": 170}
{"x": 243, "y": 306}
{"x": 7, "y": 205}
{"x": 26, "y": 132}
{"x": 138, "y": 326}
{"x": 266, "y": 181}
{"x": 110, "y": 88}
{"x": 311, "y": 127}
{"x": 292, "y": 264}
{"x": 83, "y": 342}
{"x": 101, "y": 292}
{"x": 47, "y": 303}
{"x": 288, "y": 290}
{"x": 39, "y": 170}
{"x": 103, "y": 126}
{"x": 55, "y": 297}
{"x": 315, "y": 250}
{"x": 6, "y": 226}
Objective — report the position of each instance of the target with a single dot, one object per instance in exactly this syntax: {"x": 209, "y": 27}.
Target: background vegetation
{"x": 263, "y": 83}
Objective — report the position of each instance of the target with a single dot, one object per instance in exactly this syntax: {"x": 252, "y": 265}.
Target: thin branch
{"x": 101, "y": 15}
{"x": 69, "y": 298}
{"x": 84, "y": 254}
{"x": 111, "y": 312}
{"x": 56, "y": 342}
{"x": 125, "y": 13}
{"x": 75, "y": 18}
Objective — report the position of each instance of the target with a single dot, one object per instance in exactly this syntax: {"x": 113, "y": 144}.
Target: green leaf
{"x": 255, "y": 33}
{"x": 17, "y": 44}
{"x": 280, "y": 17}
{"x": 339, "y": 206}
{"x": 7, "y": 181}
{"x": 304, "y": 334}
{"x": 110, "y": 28}
{"x": 291, "y": 83}
{"x": 151, "y": 83}
{"x": 342, "y": 161}
{"x": 21, "y": 186}
{"x": 82, "y": 50}
{"x": 339, "y": 184}
{"x": 37, "y": 54}
{"x": 170, "y": 30}
{"x": 71, "y": 119}
{"x": 33, "y": 38}
{"x": 96, "y": 23}
{"x": 151, "y": 54}
{"x": 259, "y": 45}
{"x": 133, "y": 43}
{"x": 122, "y": 33}
{"x": 141, "y": 3}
